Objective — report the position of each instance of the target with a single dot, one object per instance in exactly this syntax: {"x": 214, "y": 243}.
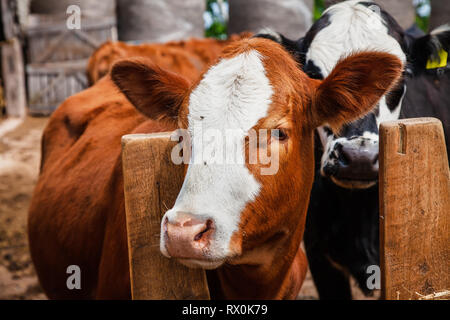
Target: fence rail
{"x": 414, "y": 214}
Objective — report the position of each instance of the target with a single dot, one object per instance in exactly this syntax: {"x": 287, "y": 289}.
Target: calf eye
{"x": 279, "y": 134}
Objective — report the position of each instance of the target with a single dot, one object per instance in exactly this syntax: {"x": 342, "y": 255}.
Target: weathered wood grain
{"x": 151, "y": 183}
{"x": 414, "y": 209}
{"x": 13, "y": 78}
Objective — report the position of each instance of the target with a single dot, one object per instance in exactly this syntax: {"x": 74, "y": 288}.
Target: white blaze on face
{"x": 232, "y": 96}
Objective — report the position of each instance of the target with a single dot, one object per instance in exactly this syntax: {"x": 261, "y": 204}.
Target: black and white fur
{"x": 341, "y": 235}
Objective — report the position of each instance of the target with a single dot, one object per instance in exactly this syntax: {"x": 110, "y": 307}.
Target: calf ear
{"x": 430, "y": 51}
{"x": 354, "y": 87}
{"x": 155, "y": 92}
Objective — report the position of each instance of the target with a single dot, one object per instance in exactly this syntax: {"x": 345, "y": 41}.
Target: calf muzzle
{"x": 188, "y": 237}
{"x": 356, "y": 164}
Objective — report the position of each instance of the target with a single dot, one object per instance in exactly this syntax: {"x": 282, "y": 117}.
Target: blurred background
{"x": 44, "y": 49}
{"x": 49, "y": 59}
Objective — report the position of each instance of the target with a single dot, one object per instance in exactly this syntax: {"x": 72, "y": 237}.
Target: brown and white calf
{"x": 245, "y": 226}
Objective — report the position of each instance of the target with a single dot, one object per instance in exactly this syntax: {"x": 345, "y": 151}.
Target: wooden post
{"x": 13, "y": 76}
{"x": 414, "y": 210}
{"x": 9, "y": 25}
{"x": 151, "y": 185}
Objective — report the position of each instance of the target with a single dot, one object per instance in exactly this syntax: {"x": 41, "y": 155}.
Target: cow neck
{"x": 280, "y": 279}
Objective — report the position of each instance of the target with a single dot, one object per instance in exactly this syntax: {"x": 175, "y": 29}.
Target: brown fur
{"x": 353, "y": 83}
{"x": 188, "y": 56}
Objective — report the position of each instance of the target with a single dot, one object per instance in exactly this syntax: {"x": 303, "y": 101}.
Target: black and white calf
{"x": 341, "y": 234}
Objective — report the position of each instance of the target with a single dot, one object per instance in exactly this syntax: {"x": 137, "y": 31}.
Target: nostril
{"x": 337, "y": 147}
{"x": 208, "y": 227}
{"x": 343, "y": 158}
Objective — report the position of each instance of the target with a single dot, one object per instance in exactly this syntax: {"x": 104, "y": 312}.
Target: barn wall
{"x": 160, "y": 20}
{"x": 88, "y": 7}
{"x": 291, "y": 18}
{"x": 440, "y": 13}
{"x": 402, "y": 10}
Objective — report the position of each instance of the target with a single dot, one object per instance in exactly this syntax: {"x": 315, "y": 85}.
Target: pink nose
{"x": 187, "y": 236}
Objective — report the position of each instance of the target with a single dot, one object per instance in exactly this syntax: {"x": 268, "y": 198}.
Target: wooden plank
{"x": 48, "y": 51}
{"x": 10, "y": 27}
{"x": 13, "y": 78}
{"x": 50, "y": 83}
{"x": 414, "y": 210}
{"x": 49, "y": 40}
{"x": 151, "y": 184}
{"x": 41, "y": 24}
{"x": 73, "y": 66}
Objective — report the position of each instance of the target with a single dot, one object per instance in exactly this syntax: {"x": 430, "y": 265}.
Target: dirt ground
{"x": 19, "y": 168}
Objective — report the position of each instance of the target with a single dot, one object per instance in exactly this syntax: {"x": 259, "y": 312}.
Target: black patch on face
{"x": 394, "y": 29}
{"x": 328, "y": 130}
{"x": 358, "y": 127}
{"x": 320, "y": 24}
{"x": 394, "y": 96}
{"x": 367, "y": 3}
{"x": 309, "y": 67}
{"x": 291, "y": 46}
{"x": 266, "y": 36}
{"x": 312, "y": 70}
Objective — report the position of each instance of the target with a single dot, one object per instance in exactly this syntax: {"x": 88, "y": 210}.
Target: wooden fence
{"x": 151, "y": 185}
{"x": 12, "y": 77}
{"x": 58, "y": 57}
{"x": 414, "y": 210}
{"x": 414, "y": 214}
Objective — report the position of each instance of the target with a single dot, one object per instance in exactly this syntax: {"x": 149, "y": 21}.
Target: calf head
{"x": 233, "y": 212}
{"x": 350, "y": 155}
{"x": 102, "y": 59}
